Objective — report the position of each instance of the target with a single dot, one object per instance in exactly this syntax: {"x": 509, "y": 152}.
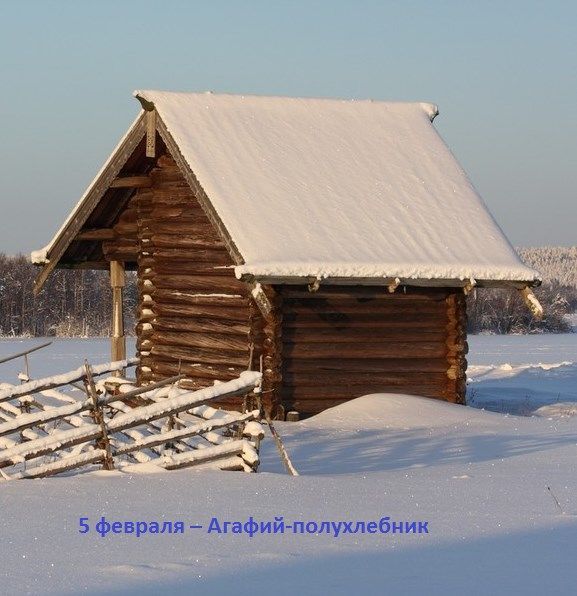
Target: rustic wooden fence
{"x": 46, "y": 431}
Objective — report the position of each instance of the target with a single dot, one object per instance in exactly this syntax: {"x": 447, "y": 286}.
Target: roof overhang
{"x": 51, "y": 255}
{"x": 390, "y": 282}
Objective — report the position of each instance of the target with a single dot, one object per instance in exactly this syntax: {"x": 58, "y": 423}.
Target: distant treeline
{"x": 72, "y": 303}
{"x": 496, "y": 311}
{"x": 78, "y": 303}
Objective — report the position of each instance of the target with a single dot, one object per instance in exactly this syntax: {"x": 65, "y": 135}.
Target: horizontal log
{"x": 178, "y": 241}
{"x": 186, "y": 283}
{"x": 360, "y": 335}
{"x": 126, "y": 228}
{"x": 353, "y": 306}
{"x": 175, "y": 255}
{"x": 189, "y": 226}
{"x": 201, "y": 340}
{"x": 202, "y": 311}
{"x": 415, "y": 350}
{"x": 332, "y": 394}
{"x": 199, "y": 325}
{"x": 167, "y": 267}
{"x": 120, "y": 245}
{"x": 374, "y": 365}
{"x": 228, "y": 300}
{"x": 376, "y": 320}
{"x": 344, "y": 379}
{"x": 208, "y": 373}
{"x": 96, "y": 234}
{"x": 202, "y": 356}
{"x": 131, "y": 182}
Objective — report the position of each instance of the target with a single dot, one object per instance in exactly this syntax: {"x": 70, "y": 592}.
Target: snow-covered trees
{"x": 504, "y": 312}
{"x": 73, "y": 303}
{"x": 77, "y": 303}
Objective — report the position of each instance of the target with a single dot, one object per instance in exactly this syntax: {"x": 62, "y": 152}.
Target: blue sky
{"x": 504, "y": 75}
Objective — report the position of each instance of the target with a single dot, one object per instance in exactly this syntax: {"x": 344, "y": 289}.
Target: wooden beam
{"x": 132, "y": 182}
{"x": 117, "y": 339}
{"x": 96, "y": 234}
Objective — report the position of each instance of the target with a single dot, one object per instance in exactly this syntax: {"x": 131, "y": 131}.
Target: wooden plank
{"x": 131, "y": 182}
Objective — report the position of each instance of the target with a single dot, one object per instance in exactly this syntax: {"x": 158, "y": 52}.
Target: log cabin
{"x": 330, "y": 243}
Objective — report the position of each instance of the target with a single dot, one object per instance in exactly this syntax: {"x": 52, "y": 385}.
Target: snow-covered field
{"x": 478, "y": 477}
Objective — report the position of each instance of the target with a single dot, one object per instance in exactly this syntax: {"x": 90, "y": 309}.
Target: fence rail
{"x": 117, "y": 424}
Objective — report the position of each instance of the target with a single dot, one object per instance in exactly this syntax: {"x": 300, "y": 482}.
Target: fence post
{"x": 103, "y": 442}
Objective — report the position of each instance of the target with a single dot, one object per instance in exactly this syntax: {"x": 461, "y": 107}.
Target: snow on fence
{"x": 45, "y": 431}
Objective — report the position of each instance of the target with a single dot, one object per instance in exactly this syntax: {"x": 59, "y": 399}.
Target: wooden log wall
{"x": 316, "y": 349}
{"x": 343, "y": 342}
{"x": 194, "y": 316}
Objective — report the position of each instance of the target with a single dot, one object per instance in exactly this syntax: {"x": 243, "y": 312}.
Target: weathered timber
{"x": 361, "y": 335}
{"x": 215, "y": 285}
{"x": 199, "y": 298}
{"x": 340, "y": 379}
{"x": 200, "y": 340}
{"x": 370, "y": 350}
{"x": 372, "y": 320}
{"x": 367, "y": 365}
{"x": 131, "y": 182}
{"x": 200, "y": 325}
{"x": 201, "y": 311}
{"x": 202, "y": 355}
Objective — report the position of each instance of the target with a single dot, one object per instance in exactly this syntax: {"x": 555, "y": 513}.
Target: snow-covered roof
{"x": 326, "y": 188}
{"x": 334, "y": 188}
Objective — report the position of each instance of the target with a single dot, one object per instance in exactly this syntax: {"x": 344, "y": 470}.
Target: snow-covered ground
{"x": 478, "y": 477}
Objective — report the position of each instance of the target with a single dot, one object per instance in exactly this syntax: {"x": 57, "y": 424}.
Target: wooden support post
{"x": 117, "y": 339}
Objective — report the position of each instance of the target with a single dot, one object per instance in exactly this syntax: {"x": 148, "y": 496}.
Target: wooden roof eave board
{"x": 78, "y": 217}
{"x": 393, "y": 282}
